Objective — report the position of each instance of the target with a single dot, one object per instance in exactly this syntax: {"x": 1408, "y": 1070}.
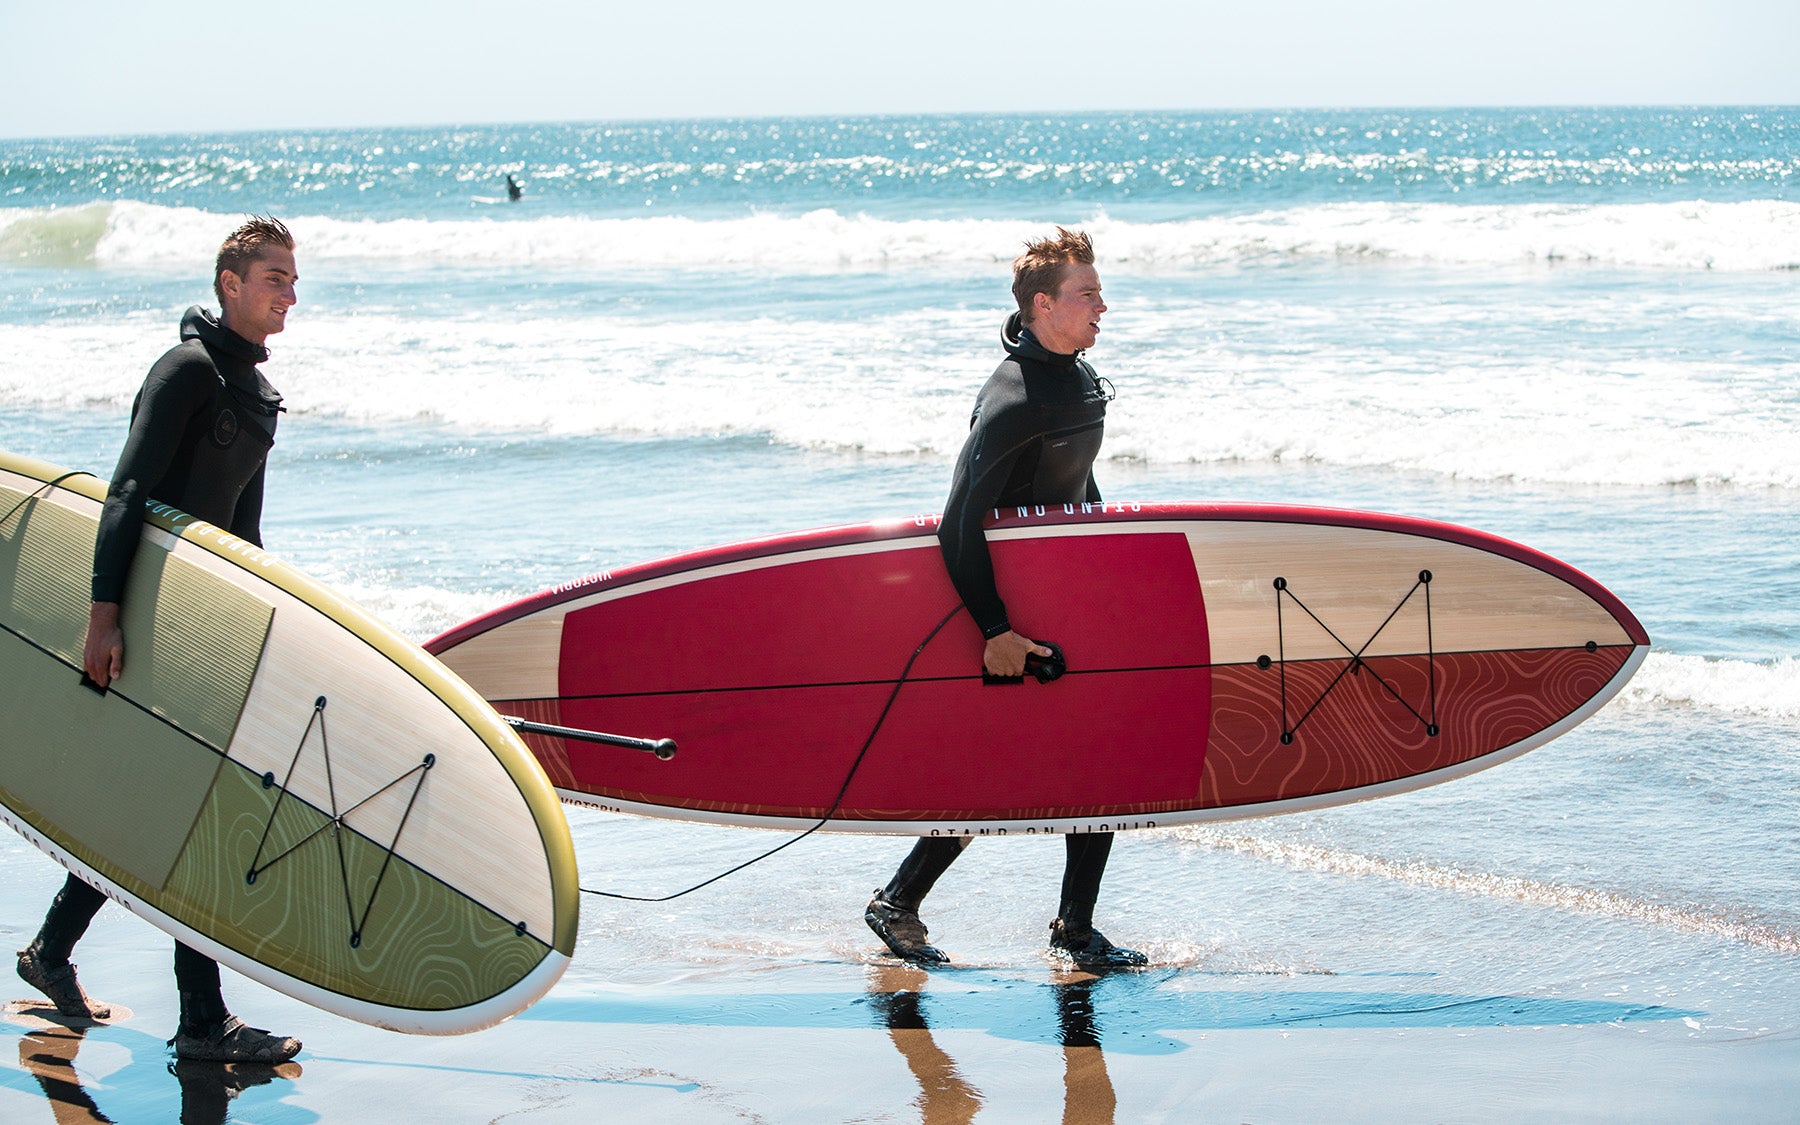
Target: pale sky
{"x": 140, "y": 66}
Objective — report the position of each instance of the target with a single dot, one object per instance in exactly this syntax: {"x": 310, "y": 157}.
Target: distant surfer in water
{"x": 1033, "y": 439}
{"x": 513, "y": 191}
{"x": 201, "y": 428}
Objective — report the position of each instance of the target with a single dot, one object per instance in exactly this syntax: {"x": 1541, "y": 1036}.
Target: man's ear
{"x": 231, "y": 284}
{"x": 1040, "y": 303}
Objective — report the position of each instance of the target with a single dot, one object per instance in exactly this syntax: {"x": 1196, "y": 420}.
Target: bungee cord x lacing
{"x": 336, "y": 821}
{"x": 1283, "y": 591}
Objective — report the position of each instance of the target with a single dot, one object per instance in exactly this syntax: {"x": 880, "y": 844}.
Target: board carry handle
{"x": 1043, "y": 668}
{"x": 663, "y": 748}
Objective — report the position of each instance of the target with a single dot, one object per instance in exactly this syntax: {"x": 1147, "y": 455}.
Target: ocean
{"x": 1578, "y": 328}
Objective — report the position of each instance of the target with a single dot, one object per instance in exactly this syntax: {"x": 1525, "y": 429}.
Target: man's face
{"x": 1069, "y": 322}
{"x": 257, "y": 304}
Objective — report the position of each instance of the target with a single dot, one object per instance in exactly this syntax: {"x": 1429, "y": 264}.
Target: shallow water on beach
{"x": 1592, "y": 353}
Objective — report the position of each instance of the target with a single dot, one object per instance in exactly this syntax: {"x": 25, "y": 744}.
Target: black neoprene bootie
{"x": 899, "y": 927}
{"x": 1089, "y": 949}
{"x": 59, "y": 983}
{"x": 232, "y": 1040}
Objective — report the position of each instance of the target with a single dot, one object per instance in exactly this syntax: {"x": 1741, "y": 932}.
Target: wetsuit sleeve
{"x": 172, "y": 395}
{"x": 994, "y": 446}
{"x": 246, "y": 522}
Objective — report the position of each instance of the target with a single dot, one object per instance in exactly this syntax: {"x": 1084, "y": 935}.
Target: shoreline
{"x": 821, "y": 1027}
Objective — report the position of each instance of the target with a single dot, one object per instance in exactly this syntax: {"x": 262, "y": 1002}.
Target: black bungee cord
{"x": 42, "y": 490}
{"x": 836, "y": 801}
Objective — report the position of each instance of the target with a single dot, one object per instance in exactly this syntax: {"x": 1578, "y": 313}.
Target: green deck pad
{"x": 205, "y": 639}
{"x": 425, "y": 945}
{"x": 107, "y": 780}
{"x": 110, "y": 780}
{"x": 192, "y": 640}
{"x": 46, "y": 561}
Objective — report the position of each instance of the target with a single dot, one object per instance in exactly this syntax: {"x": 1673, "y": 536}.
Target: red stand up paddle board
{"x": 1222, "y": 661}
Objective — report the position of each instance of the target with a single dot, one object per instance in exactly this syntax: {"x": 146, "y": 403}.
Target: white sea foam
{"x": 1587, "y": 419}
{"x": 1183, "y": 396}
{"x": 416, "y": 612}
{"x": 1582, "y": 900}
{"x": 1231, "y": 392}
{"x": 604, "y": 375}
{"x": 1765, "y": 688}
{"x": 1755, "y": 235}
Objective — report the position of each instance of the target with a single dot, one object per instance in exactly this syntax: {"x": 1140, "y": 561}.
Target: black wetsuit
{"x": 1033, "y": 438}
{"x": 201, "y": 429}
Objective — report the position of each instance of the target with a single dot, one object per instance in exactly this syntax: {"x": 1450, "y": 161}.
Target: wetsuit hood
{"x": 1021, "y": 344}
{"x": 240, "y": 358}
{"x": 199, "y": 324}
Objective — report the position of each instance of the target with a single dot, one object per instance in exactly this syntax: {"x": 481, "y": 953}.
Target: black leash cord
{"x": 836, "y": 801}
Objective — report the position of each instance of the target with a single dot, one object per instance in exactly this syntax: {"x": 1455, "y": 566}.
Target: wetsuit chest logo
{"x": 225, "y": 429}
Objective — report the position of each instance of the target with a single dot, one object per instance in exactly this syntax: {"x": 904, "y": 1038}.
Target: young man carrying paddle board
{"x": 1033, "y": 438}
{"x": 200, "y": 433}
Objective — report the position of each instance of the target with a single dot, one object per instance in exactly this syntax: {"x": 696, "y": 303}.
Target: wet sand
{"x": 683, "y": 1012}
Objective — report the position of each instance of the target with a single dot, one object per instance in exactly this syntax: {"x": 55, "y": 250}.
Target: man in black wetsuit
{"x": 201, "y": 429}
{"x": 1032, "y": 440}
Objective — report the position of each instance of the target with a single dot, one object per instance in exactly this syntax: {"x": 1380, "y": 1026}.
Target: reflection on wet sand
{"x": 1087, "y": 1089}
{"x": 48, "y": 1053}
{"x": 945, "y": 1096}
{"x": 898, "y": 996}
{"x": 208, "y": 1087}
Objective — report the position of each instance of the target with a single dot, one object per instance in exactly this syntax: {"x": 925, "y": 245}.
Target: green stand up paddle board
{"x": 276, "y": 779}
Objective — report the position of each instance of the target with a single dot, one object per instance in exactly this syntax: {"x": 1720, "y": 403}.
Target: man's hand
{"x": 103, "y": 654}
{"x": 1005, "y": 654}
